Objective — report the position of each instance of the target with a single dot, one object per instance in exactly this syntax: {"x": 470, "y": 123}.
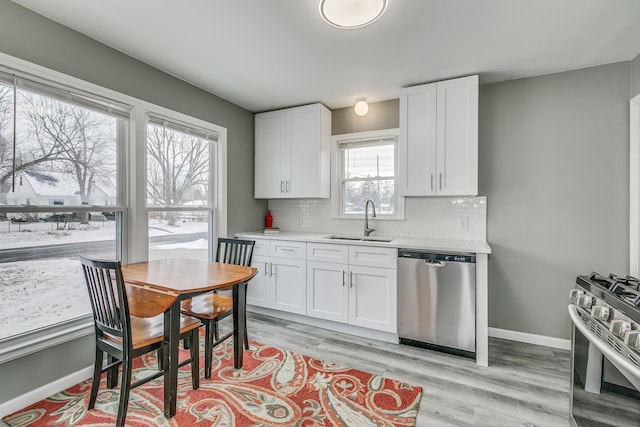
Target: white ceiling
{"x": 268, "y": 54}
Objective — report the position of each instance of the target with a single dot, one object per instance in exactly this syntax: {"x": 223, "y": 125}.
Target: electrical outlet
{"x": 462, "y": 223}
{"x": 299, "y": 220}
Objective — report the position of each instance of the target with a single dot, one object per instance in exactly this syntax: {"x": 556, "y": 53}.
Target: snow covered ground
{"x": 43, "y": 292}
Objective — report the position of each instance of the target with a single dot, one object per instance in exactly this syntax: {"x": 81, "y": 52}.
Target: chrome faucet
{"x": 367, "y": 230}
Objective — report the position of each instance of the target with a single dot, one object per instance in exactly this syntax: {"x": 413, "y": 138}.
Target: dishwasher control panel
{"x": 440, "y": 256}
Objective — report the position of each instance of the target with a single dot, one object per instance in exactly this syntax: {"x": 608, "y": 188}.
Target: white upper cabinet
{"x": 438, "y": 146}
{"x": 293, "y": 152}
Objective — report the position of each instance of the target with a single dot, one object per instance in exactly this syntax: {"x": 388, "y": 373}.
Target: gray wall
{"x": 26, "y": 35}
{"x": 381, "y": 115}
{"x": 549, "y": 147}
{"x": 635, "y": 76}
{"x": 554, "y": 165}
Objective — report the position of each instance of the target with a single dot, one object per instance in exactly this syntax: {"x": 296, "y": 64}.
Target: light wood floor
{"x": 524, "y": 385}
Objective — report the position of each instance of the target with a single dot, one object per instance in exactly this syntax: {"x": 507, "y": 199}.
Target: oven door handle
{"x": 630, "y": 371}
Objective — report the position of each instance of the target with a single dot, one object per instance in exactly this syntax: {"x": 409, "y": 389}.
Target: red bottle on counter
{"x": 268, "y": 220}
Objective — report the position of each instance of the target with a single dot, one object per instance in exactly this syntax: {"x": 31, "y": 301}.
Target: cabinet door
{"x": 309, "y": 135}
{"x": 417, "y": 143}
{"x": 373, "y": 298}
{"x": 258, "y": 287}
{"x": 288, "y": 285}
{"x": 271, "y": 153}
{"x": 327, "y": 291}
{"x": 457, "y": 137}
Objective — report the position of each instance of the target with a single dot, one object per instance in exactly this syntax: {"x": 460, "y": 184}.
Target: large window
{"x": 366, "y": 169}
{"x": 179, "y": 183}
{"x": 59, "y": 198}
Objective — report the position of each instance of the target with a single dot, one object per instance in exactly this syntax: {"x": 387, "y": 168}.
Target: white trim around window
{"x": 353, "y": 138}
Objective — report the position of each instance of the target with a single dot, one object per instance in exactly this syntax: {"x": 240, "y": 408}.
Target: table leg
{"x": 172, "y": 341}
{"x": 239, "y": 306}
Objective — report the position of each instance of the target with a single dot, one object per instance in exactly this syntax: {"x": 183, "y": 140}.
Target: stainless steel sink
{"x": 361, "y": 239}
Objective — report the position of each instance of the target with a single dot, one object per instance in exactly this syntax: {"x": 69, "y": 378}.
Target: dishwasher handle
{"x": 435, "y": 263}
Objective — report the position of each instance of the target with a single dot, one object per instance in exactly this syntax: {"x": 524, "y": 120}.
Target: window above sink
{"x": 366, "y": 168}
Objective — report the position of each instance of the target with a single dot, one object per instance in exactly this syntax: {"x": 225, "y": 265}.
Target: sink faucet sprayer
{"x": 367, "y": 230}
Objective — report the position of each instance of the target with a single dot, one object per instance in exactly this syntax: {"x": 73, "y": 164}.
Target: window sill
{"x": 31, "y": 342}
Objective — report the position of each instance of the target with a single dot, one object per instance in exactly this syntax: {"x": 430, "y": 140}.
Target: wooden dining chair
{"x": 212, "y": 307}
{"x": 128, "y": 323}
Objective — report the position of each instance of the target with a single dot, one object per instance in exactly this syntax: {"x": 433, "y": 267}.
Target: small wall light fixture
{"x": 349, "y": 14}
{"x": 361, "y": 108}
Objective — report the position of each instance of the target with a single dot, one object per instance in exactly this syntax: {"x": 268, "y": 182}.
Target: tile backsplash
{"x": 462, "y": 218}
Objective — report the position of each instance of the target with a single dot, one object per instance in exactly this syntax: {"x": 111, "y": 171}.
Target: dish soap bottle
{"x": 268, "y": 220}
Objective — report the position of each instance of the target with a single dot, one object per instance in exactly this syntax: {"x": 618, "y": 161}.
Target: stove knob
{"x": 619, "y": 327}
{"x": 574, "y": 294}
{"x": 601, "y": 312}
{"x": 632, "y": 339}
{"x": 585, "y": 301}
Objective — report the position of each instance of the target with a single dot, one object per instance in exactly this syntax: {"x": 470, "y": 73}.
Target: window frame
{"x": 212, "y": 210}
{"x": 337, "y": 171}
{"x": 131, "y": 206}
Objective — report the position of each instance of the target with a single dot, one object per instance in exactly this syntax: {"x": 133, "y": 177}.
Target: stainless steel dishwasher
{"x": 437, "y": 300}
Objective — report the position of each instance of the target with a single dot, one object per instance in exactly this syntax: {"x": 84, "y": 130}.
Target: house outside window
{"x": 68, "y": 145}
{"x": 365, "y": 167}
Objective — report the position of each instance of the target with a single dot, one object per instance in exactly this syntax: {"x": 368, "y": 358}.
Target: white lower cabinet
{"x": 343, "y": 291}
{"x": 281, "y": 280}
{"x": 328, "y": 291}
{"x": 372, "y": 298}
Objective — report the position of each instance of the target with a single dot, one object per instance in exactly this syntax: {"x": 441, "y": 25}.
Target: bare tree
{"x": 29, "y": 153}
{"x": 83, "y": 141}
{"x": 177, "y": 166}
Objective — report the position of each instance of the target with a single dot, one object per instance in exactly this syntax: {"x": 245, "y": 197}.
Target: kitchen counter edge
{"x": 448, "y": 245}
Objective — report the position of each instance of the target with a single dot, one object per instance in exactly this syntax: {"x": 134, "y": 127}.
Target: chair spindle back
{"x": 105, "y": 284}
{"x": 235, "y": 251}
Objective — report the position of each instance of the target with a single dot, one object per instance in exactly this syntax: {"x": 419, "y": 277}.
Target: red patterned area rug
{"x": 274, "y": 388}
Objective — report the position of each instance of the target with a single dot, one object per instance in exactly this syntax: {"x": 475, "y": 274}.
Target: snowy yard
{"x": 51, "y": 290}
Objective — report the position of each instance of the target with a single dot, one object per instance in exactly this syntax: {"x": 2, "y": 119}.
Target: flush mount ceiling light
{"x": 350, "y": 14}
{"x": 361, "y": 108}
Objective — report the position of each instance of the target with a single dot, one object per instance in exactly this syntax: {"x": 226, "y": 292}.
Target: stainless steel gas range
{"x": 605, "y": 354}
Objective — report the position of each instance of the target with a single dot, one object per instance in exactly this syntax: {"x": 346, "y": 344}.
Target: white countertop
{"x": 448, "y": 245}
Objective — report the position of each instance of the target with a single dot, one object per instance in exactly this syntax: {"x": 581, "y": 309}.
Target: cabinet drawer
{"x": 372, "y": 256}
{"x": 288, "y": 249}
{"x": 328, "y": 253}
{"x": 262, "y": 247}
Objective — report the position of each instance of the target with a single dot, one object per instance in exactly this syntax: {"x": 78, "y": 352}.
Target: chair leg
{"x": 112, "y": 373}
{"x": 97, "y": 373}
{"x": 208, "y": 348}
{"x": 124, "y": 391}
{"x": 159, "y": 356}
{"x": 216, "y": 330}
{"x": 246, "y": 336}
{"x": 195, "y": 359}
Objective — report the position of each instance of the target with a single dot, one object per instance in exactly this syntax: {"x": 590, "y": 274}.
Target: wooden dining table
{"x": 186, "y": 278}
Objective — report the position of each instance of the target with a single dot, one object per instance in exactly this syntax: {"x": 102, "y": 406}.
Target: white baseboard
{"x": 530, "y": 338}
{"x": 45, "y": 391}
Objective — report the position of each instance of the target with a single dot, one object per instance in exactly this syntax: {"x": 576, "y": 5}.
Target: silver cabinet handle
{"x": 440, "y": 180}
{"x": 287, "y": 185}
{"x": 351, "y": 279}
{"x": 431, "y": 182}
{"x": 271, "y": 272}
{"x": 266, "y": 270}
{"x": 286, "y": 250}
{"x": 344, "y": 281}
